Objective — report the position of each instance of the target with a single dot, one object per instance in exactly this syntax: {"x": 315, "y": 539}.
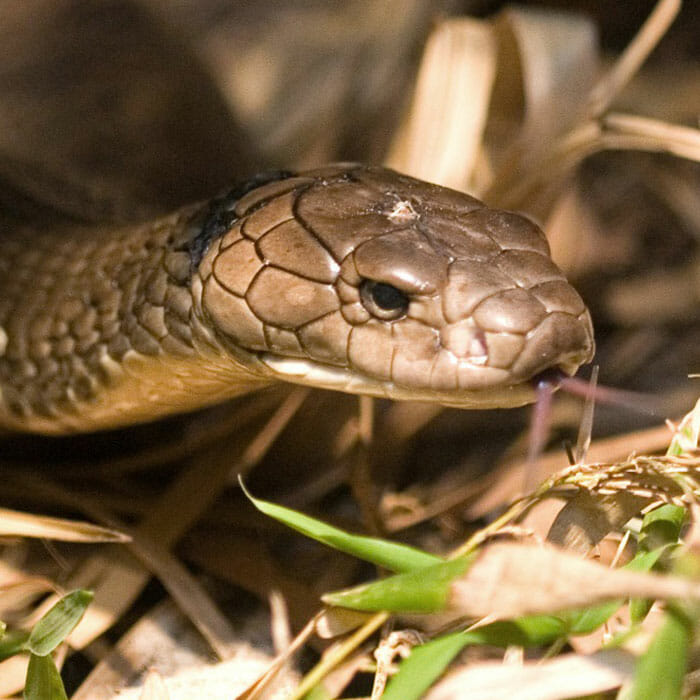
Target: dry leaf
{"x": 440, "y": 141}
{"x": 557, "y": 56}
{"x": 567, "y": 676}
{"x": 509, "y": 580}
{"x": 486, "y": 85}
{"x": 588, "y": 517}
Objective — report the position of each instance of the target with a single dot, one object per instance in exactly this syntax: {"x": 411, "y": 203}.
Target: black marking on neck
{"x": 218, "y": 218}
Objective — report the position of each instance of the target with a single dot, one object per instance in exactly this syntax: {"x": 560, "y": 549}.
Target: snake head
{"x": 363, "y": 280}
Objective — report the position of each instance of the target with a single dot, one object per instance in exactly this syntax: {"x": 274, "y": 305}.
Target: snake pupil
{"x": 383, "y": 300}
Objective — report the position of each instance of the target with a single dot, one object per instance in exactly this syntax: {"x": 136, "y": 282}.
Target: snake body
{"x": 347, "y": 277}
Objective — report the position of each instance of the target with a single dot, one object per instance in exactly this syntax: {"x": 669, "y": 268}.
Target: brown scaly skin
{"x": 103, "y": 327}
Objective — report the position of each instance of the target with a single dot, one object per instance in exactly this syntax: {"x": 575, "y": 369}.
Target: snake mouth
{"x": 504, "y": 395}
{"x": 431, "y": 372}
{"x": 554, "y": 376}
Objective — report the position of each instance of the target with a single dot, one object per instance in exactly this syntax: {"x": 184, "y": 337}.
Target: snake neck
{"x": 101, "y": 327}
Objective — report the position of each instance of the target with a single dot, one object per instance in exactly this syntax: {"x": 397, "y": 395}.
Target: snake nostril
{"x": 465, "y": 341}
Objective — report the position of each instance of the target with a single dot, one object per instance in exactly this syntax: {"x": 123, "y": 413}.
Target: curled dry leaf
{"x": 510, "y": 580}
{"x": 586, "y": 519}
{"x": 489, "y": 91}
{"x": 333, "y": 622}
{"x": 557, "y": 56}
{"x": 459, "y": 52}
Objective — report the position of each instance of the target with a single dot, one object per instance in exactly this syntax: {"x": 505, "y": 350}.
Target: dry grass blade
{"x": 583, "y": 440}
{"x": 612, "y": 132}
{"x": 635, "y": 54}
{"x": 259, "y": 446}
{"x": 652, "y": 135}
{"x": 189, "y": 595}
{"x": 508, "y": 479}
{"x": 361, "y": 475}
{"x": 280, "y": 627}
{"x": 154, "y": 688}
{"x": 15, "y": 523}
{"x": 18, "y": 592}
{"x": 489, "y": 87}
{"x": 259, "y": 688}
{"x": 658, "y": 295}
{"x": 13, "y": 671}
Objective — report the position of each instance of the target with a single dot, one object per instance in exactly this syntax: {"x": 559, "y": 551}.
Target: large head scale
{"x": 363, "y": 280}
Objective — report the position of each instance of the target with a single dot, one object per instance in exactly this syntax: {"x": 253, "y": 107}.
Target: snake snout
{"x": 515, "y": 317}
{"x": 562, "y": 342}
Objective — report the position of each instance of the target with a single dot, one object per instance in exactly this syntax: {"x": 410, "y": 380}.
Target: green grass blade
{"x": 687, "y": 434}
{"x": 424, "y": 666}
{"x": 660, "y": 671}
{"x": 639, "y": 609}
{"x": 43, "y": 680}
{"x": 58, "y": 622}
{"x": 318, "y": 693}
{"x": 395, "y": 557}
{"x": 12, "y": 643}
{"x": 426, "y": 590}
{"x": 428, "y": 661}
{"x": 531, "y": 631}
{"x": 662, "y": 526}
{"x": 588, "y": 620}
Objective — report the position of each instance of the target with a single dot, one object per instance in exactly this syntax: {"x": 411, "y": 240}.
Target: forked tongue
{"x": 548, "y": 382}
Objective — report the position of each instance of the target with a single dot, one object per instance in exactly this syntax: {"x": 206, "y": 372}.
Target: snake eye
{"x": 383, "y": 300}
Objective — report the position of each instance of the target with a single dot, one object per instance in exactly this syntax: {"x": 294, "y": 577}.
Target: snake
{"x": 347, "y": 277}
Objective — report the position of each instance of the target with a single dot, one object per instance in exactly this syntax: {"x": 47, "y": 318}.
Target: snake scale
{"x": 347, "y": 277}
